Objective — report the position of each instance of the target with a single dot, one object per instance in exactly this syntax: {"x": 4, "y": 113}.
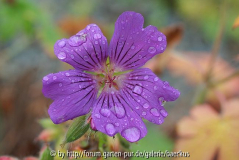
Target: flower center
{"x": 108, "y": 79}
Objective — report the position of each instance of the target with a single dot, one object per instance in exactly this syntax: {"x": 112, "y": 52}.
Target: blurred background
{"x": 201, "y": 60}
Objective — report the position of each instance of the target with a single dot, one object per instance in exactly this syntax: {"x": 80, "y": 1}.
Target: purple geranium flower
{"x": 108, "y": 81}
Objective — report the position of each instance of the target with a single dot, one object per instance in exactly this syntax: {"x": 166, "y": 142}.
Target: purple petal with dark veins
{"x": 112, "y": 114}
{"x": 87, "y": 50}
{"x": 132, "y": 45}
{"x": 73, "y": 92}
{"x": 146, "y": 92}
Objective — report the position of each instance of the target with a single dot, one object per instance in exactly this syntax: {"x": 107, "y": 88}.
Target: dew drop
{"x": 117, "y": 124}
{"x": 61, "y": 55}
{"x": 97, "y": 116}
{"x": 151, "y": 50}
{"x": 165, "y": 84}
{"x": 140, "y": 57}
{"x": 67, "y": 74}
{"x": 154, "y": 112}
{"x": 110, "y": 129}
{"x": 45, "y": 78}
{"x": 61, "y": 44}
{"x": 163, "y": 113}
{"x": 160, "y": 121}
{"x": 137, "y": 89}
{"x": 137, "y": 107}
{"x": 80, "y": 86}
{"x": 97, "y": 36}
{"x": 103, "y": 42}
{"x": 88, "y": 27}
{"x": 72, "y": 56}
{"x": 105, "y": 112}
{"x": 131, "y": 134}
{"x": 132, "y": 47}
{"x": 60, "y": 84}
{"x": 155, "y": 88}
{"x": 85, "y": 58}
{"x": 77, "y": 40}
{"x": 146, "y": 105}
{"x": 54, "y": 77}
{"x": 146, "y": 77}
{"x": 144, "y": 113}
{"x": 160, "y": 39}
{"x": 119, "y": 110}
{"x": 156, "y": 79}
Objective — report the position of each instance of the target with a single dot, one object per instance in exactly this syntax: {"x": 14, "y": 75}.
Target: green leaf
{"x": 77, "y": 129}
{"x": 47, "y": 154}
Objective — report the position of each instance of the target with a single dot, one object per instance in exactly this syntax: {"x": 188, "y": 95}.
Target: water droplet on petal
{"x": 54, "y": 77}
{"x": 163, "y": 113}
{"x": 110, "y": 129}
{"x": 85, "y": 58}
{"x": 105, "y": 112}
{"x": 160, "y": 38}
{"x": 151, "y": 50}
{"x": 165, "y": 84}
{"x": 146, "y": 105}
{"x": 45, "y": 78}
{"x": 137, "y": 89}
{"x": 61, "y": 44}
{"x": 155, "y": 88}
{"x": 131, "y": 134}
{"x": 156, "y": 79}
{"x": 137, "y": 107}
{"x": 154, "y": 112}
{"x": 144, "y": 113}
{"x": 132, "y": 47}
{"x": 77, "y": 40}
{"x": 88, "y": 27}
{"x": 80, "y": 86}
{"x": 61, "y": 55}
{"x": 146, "y": 77}
{"x": 140, "y": 57}
{"x": 117, "y": 124}
{"x": 60, "y": 84}
{"x": 97, "y": 36}
{"x": 103, "y": 42}
{"x": 119, "y": 110}
{"x": 72, "y": 56}
{"x": 160, "y": 121}
{"x": 97, "y": 115}
{"x": 96, "y": 42}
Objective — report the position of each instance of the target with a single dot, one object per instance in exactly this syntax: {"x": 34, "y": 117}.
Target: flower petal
{"x": 73, "y": 93}
{"x": 87, "y": 50}
{"x": 112, "y": 114}
{"x": 132, "y": 45}
{"x": 146, "y": 93}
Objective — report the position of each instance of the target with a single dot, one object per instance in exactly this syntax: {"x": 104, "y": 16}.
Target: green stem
{"x": 217, "y": 43}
